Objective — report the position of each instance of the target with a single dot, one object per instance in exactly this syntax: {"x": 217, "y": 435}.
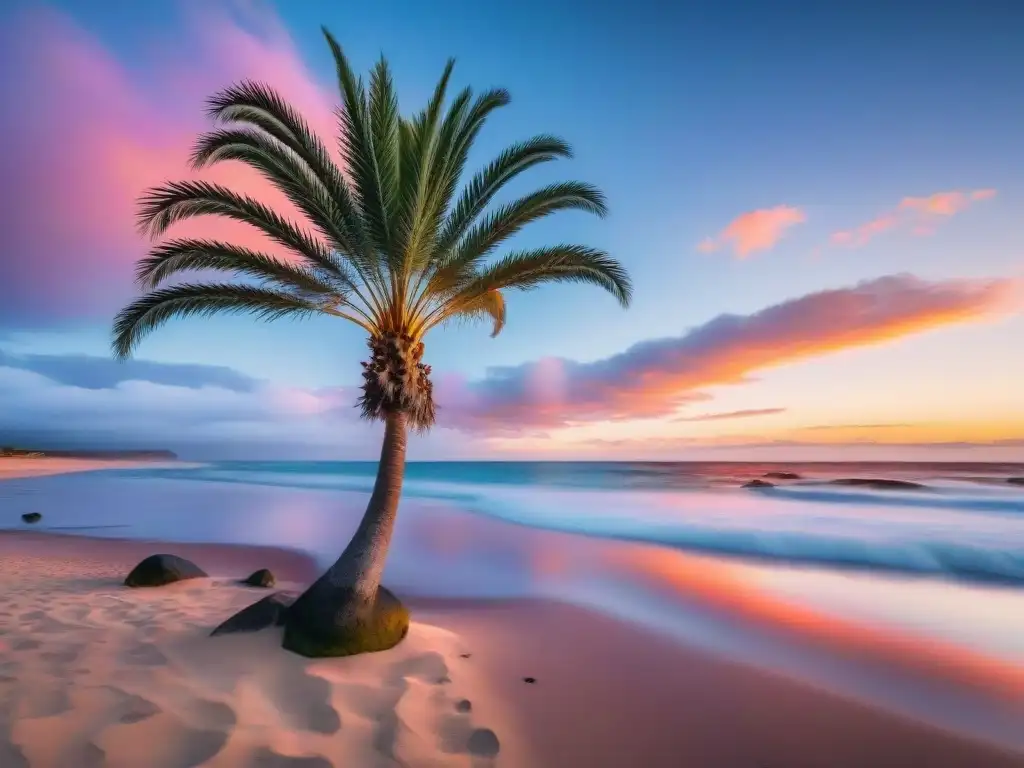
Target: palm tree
{"x": 393, "y": 245}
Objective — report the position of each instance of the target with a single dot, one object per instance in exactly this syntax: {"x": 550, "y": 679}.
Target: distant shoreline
{"x": 16, "y": 467}
{"x": 36, "y": 453}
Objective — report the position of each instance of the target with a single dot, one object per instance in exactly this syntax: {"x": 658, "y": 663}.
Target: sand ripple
{"x": 93, "y": 674}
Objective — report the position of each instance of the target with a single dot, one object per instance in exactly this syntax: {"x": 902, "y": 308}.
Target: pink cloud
{"x": 918, "y": 215}
{"x": 92, "y": 133}
{"x": 655, "y": 378}
{"x": 863, "y": 233}
{"x": 754, "y": 231}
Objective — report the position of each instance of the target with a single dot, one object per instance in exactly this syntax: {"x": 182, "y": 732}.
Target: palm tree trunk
{"x": 361, "y": 565}
{"x": 346, "y": 595}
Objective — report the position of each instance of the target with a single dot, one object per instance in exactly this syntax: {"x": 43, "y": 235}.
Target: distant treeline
{"x": 88, "y": 454}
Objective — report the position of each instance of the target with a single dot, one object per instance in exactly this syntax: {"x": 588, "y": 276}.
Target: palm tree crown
{"x": 393, "y": 244}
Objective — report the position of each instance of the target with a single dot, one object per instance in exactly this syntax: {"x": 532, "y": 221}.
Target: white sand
{"x": 12, "y": 467}
{"x": 93, "y": 673}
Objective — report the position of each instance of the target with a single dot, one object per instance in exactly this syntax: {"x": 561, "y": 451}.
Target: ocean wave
{"x": 950, "y": 533}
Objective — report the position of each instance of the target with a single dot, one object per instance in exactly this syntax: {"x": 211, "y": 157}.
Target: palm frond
{"x": 257, "y": 105}
{"x": 163, "y": 206}
{"x": 385, "y": 131}
{"x": 186, "y": 255}
{"x": 488, "y": 306}
{"x": 422, "y": 149}
{"x": 482, "y": 188}
{"x": 357, "y": 149}
{"x": 500, "y": 225}
{"x": 152, "y": 310}
{"x": 283, "y": 168}
{"x": 525, "y": 270}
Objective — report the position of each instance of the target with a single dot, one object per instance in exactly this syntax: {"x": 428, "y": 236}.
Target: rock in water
{"x": 268, "y": 612}
{"x": 158, "y": 570}
{"x": 310, "y": 629}
{"x": 1015, "y": 480}
{"x": 261, "y": 578}
{"x": 782, "y": 475}
{"x": 31, "y": 517}
{"x": 758, "y": 484}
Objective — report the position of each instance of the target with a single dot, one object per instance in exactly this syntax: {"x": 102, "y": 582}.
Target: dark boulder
{"x": 310, "y": 629}
{"x": 782, "y": 475}
{"x": 1015, "y": 480}
{"x": 268, "y": 612}
{"x": 878, "y": 483}
{"x": 758, "y": 484}
{"x": 31, "y": 517}
{"x": 158, "y": 570}
{"x": 261, "y": 578}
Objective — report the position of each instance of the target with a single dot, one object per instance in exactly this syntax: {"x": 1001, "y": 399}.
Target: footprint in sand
{"x": 134, "y": 709}
{"x": 43, "y": 702}
{"x": 306, "y": 702}
{"x": 90, "y": 756}
{"x": 11, "y": 756}
{"x": 268, "y": 758}
{"x": 146, "y": 655}
{"x": 132, "y": 744}
{"x": 63, "y": 656}
{"x": 213, "y": 714}
{"x": 370, "y": 701}
{"x": 483, "y": 742}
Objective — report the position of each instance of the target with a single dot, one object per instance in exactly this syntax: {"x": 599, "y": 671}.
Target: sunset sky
{"x": 822, "y": 210}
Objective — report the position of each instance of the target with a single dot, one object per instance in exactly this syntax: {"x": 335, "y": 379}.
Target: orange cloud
{"x": 754, "y": 231}
{"x": 654, "y": 378}
{"x": 747, "y": 413}
{"x": 919, "y": 215}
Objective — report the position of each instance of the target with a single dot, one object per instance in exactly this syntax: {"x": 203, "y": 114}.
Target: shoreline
{"x": 21, "y": 467}
{"x": 608, "y": 693}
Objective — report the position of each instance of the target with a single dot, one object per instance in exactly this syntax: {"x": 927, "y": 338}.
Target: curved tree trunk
{"x": 346, "y": 593}
{"x": 361, "y": 565}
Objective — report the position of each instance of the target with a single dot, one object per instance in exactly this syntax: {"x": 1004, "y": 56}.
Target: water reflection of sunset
{"x": 724, "y": 586}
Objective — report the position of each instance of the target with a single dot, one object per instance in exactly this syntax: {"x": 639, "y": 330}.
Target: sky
{"x": 820, "y": 206}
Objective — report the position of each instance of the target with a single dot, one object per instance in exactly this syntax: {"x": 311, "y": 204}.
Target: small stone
{"x": 268, "y": 612}
{"x": 463, "y": 705}
{"x": 31, "y": 517}
{"x": 483, "y": 742}
{"x": 465, "y": 655}
{"x": 530, "y": 680}
{"x": 158, "y": 570}
{"x": 261, "y": 578}
{"x": 758, "y": 484}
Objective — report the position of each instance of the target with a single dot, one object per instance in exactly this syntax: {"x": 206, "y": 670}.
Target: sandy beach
{"x": 93, "y": 673}
{"x": 96, "y": 674}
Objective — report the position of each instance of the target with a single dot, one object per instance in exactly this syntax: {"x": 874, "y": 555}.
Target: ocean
{"x": 777, "y": 576}
{"x": 965, "y": 522}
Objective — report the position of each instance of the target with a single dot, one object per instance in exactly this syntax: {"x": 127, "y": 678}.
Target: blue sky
{"x": 688, "y": 118}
